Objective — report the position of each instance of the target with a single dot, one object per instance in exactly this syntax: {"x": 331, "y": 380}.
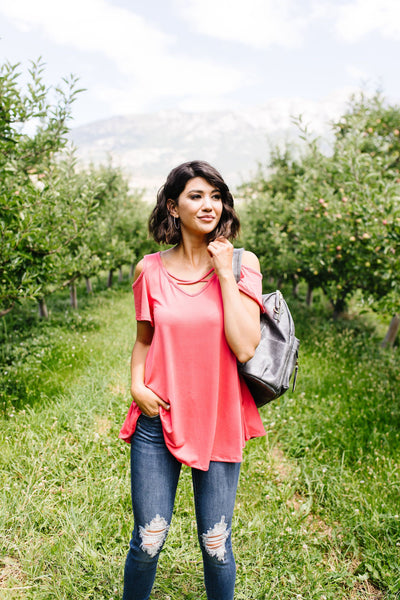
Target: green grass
{"x": 318, "y": 510}
{"x": 344, "y": 435}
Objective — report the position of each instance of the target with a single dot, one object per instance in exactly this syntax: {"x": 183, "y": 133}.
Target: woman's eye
{"x": 216, "y": 197}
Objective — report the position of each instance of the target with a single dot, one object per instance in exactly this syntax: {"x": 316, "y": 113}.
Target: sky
{"x": 136, "y": 57}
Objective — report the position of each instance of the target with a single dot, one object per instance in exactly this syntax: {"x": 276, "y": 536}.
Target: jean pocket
{"x": 149, "y": 418}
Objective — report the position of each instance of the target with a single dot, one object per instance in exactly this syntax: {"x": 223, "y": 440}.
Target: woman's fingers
{"x": 149, "y": 403}
{"x": 221, "y": 251}
{"x": 221, "y": 244}
{"x": 164, "y": 405}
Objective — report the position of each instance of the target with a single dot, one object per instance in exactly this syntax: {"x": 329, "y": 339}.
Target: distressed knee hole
{"x": 215, "y": 539}
{"x": 153, "y": 535}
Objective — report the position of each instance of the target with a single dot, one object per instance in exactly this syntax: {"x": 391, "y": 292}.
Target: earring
{"x": 176, "y": 223}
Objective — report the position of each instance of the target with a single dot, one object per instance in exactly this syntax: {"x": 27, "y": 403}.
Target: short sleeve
{"x": 143, "y": 304}
{"x": 251, "y": 284}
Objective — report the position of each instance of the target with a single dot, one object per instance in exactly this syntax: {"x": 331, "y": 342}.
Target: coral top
{"x": 190, "y": 365}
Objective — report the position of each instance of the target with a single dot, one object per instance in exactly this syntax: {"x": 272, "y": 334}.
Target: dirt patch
{"x": 319, "y": 526}
{"x": 365, "y": 590}
{"x": 10, "y": 572}
{"x": 103, "y": 425}
{"x": 280, "y": 463}
{"x": 118, "y": 389}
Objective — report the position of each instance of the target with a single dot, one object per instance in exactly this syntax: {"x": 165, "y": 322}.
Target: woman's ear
{"x": 171, "y": 206}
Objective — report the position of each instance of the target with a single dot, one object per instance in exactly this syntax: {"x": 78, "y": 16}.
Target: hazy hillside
{"x": 147, "y": 146}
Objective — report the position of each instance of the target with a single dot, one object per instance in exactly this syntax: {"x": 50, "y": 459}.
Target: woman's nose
{"x": 207, "y": 202}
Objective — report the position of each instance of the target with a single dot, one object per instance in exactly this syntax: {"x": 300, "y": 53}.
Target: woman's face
{"x": 199, "y": 207}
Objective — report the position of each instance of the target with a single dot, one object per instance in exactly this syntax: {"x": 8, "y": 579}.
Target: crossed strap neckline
{"x": 202, "y": 279}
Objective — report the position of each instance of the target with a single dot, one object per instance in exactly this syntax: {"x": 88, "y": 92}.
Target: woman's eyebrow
{"x": 202, "y": 191}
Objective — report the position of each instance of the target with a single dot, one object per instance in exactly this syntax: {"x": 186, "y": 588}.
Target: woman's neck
{"x": 193, "y": 253}
{"x": 188, "y": 261}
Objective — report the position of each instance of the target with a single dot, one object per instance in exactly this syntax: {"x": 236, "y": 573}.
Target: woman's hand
{"x": 148, "y": 402}
{"x": 221, "y": 252}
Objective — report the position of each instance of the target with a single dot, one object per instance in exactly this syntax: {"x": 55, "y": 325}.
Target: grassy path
{"x": 317, "y": 509}
{"x": 65, "y": 504}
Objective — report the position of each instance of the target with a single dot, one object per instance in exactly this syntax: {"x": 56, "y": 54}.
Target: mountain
{"x": 148, "y": 146}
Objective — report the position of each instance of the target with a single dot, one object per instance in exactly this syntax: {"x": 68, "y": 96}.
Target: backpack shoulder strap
{"x": 237, "y": 262}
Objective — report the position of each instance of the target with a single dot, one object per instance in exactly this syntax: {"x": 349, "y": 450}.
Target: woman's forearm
{"x": 241, "y": 319}
{"x": 144, "y": 397}
{"x": 241, "y": 313}
{"x": 138, "y": 361}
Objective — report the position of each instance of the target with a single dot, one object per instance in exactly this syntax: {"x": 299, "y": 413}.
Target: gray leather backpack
{"x": 268, "y": 373}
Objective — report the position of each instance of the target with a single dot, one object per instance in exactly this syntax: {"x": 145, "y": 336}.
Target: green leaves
{"x": 57, "y": 221}
{"x": 32, "y": 132}
{"x": 334, "y": 219}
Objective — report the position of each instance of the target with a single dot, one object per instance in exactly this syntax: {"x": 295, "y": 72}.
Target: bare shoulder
{"x": 249, "y": 259}
{"x": 138, "y": 269}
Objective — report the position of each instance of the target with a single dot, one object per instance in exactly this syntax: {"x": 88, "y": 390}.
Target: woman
{"x": 194, "y": 321}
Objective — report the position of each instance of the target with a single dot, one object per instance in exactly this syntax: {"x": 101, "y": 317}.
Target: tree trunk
{"x": 295, "y": 288}
{"x": 309, "y": 295}
{"x": 73, "y": 295}
{"x": 339, "y": 307}
{"x": 110, "y": 278}
{"x": 131, "y": 271}
{"x": 89, "y": 287}
{"x": 120, "y": 275}
{"x": 391, "y": 332}
{"x": 43, "y": 312}
{"x": 279, "y": 283}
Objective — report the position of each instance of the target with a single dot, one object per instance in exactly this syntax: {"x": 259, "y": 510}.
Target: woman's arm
{"x": 146, "y": 399}
{"x": 241, "y": 313}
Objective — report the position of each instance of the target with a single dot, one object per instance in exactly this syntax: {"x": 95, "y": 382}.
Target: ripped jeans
{"x": 155, "y": 473}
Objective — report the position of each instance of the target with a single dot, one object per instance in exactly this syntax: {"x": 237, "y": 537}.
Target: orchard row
{"x": 330, "y": 218}
{"x": 333, "y": 218}
{"x": 58, "y": 223}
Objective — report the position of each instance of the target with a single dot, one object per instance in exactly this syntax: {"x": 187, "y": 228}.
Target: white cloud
{"x": 90, "y": 25}
{"x": 142, "y": 54}
{"x": 285, "y": 23}
{"x": 256, "y": 23}
{"x": 358, "y": 18}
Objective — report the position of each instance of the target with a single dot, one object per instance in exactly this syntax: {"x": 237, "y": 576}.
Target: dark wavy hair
{"x": 161, "y": 222}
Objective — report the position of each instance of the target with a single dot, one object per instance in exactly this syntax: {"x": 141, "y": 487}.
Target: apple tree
{"x": 33, "y": 228}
